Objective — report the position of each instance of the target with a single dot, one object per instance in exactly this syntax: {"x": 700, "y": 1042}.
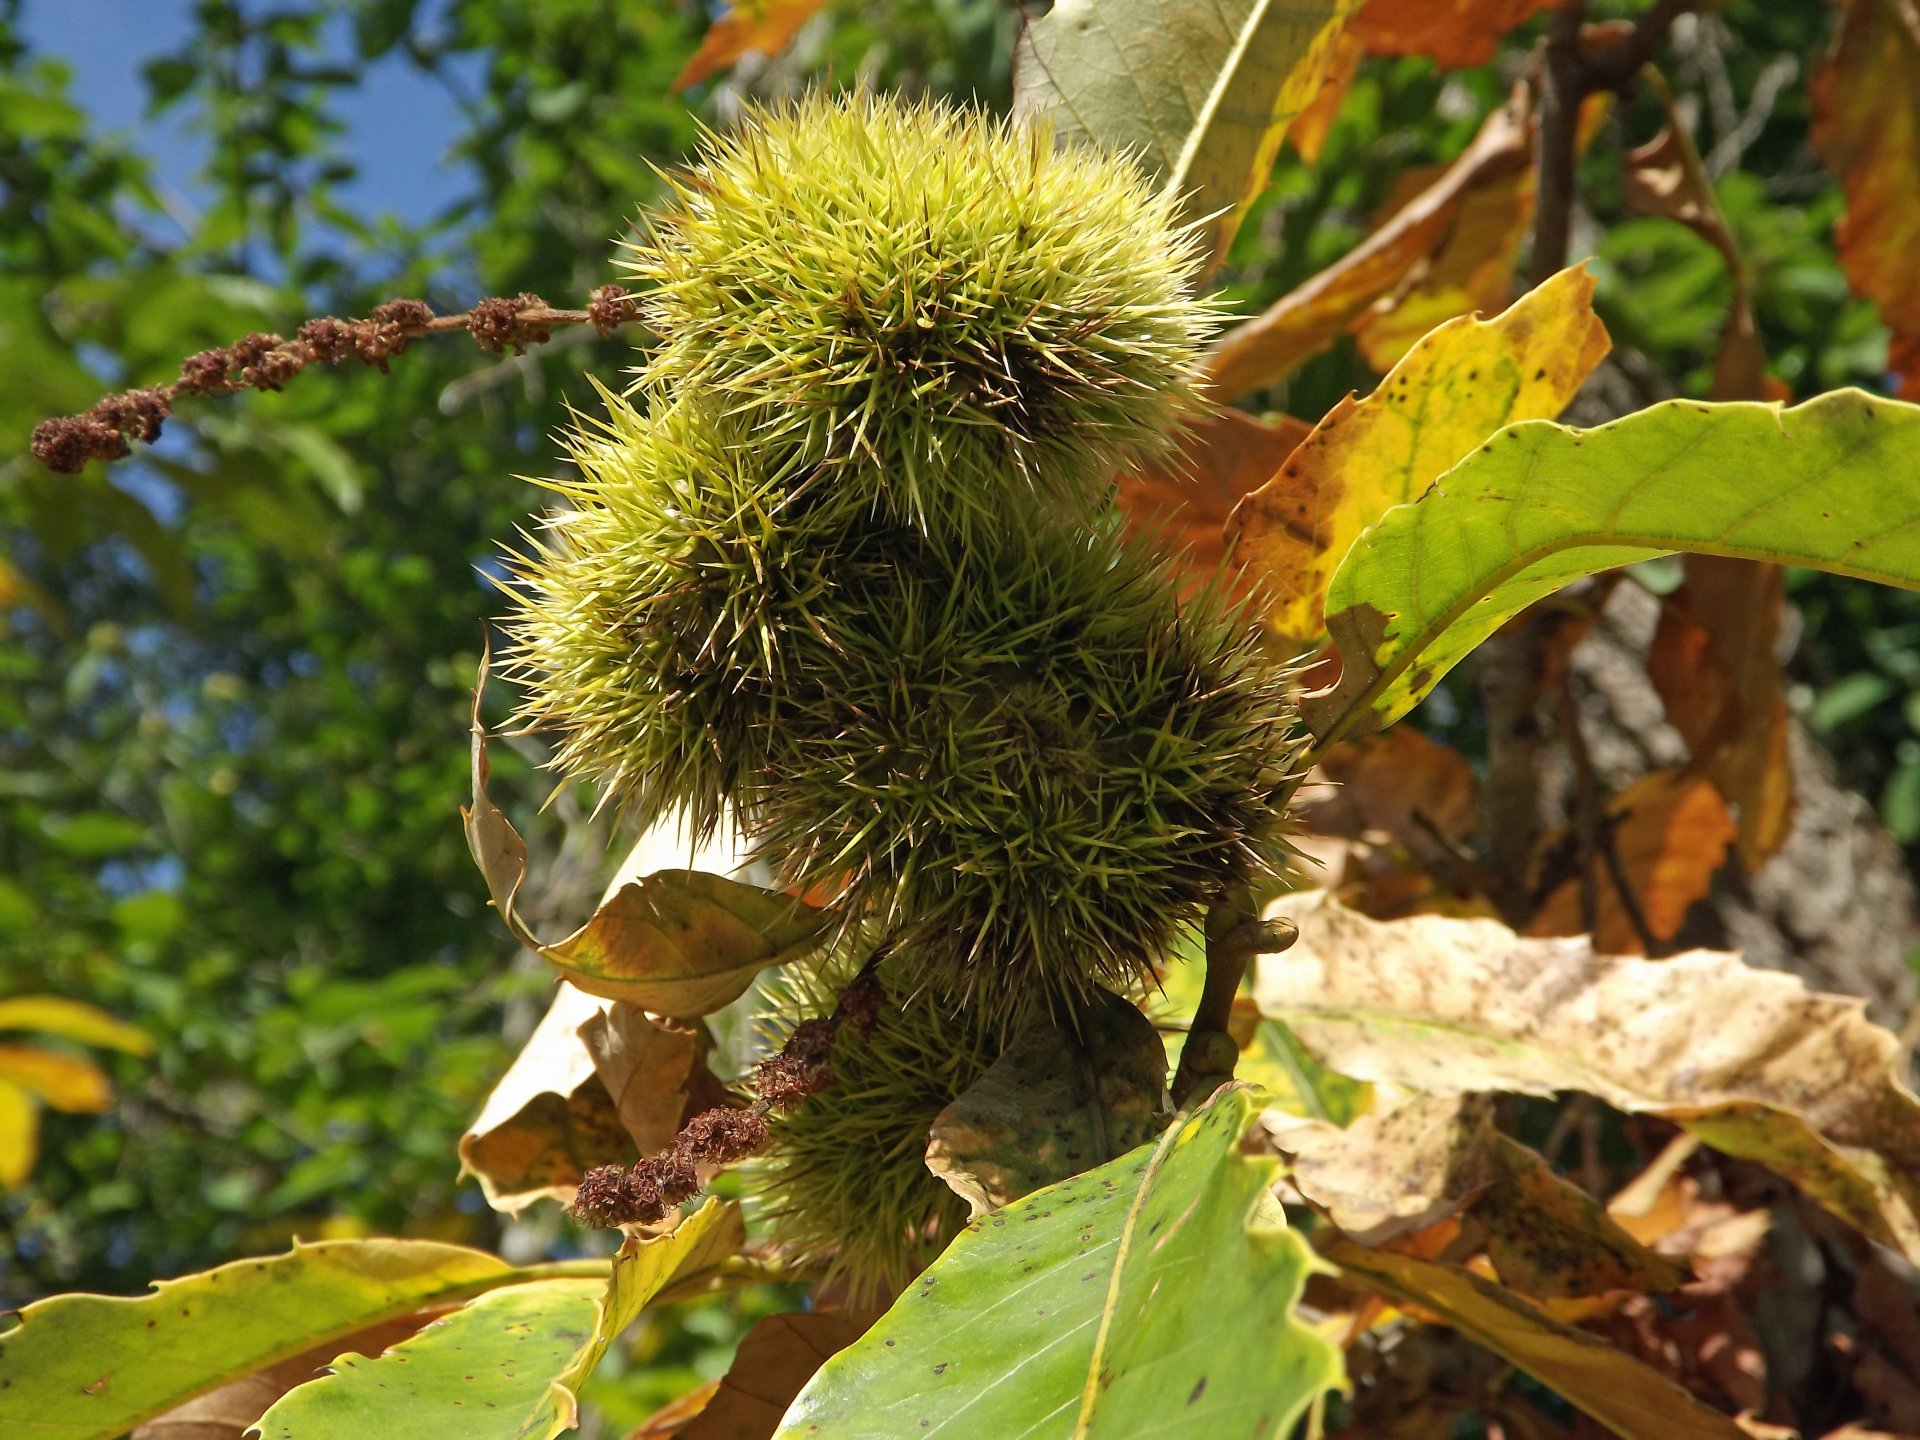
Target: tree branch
{"x": 267, "y": 362}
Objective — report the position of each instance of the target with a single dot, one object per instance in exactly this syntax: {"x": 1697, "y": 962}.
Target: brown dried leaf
{"x": 551, "y": 1118}
{"x": 1267, "y": 348}
{"x": 1452, "y": 33}
{"x": 1750, "y": 1060}
{"x": 1866, "y": 124}
{"x": 1429, "y": 1157}
{"x": 1185, "y": 504}
{"x": 766, "y": 26}
{"x": 774, "y": 1362}
{"x": 1631, "y": 1399}
{"x": 1714, "y": 662}
{"x": 1055, "y": 1104}
{"x": 1398, "y": 783}
{"x": 1671, "y": 831}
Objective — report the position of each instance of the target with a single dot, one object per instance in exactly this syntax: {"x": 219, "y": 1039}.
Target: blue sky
{"x": 399, "y": 129}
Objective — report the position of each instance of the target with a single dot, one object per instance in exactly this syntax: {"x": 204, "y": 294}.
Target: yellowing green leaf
{"x": 1456, "y": 387}
{"x": 510, "y": 1364}
{"x": 677, "y": 942}
{"x": 1798, "y": 1081}
{"x": 1833, "y": 484}
{"x": 64, "y": 1082}
{"x": 1201, "y": 92}
{"x": 86, "y": 1367}
{"x": 74, "y": 1020}
{"x": 1103, "y": 1296}
{"x": 1630, "y": 1398}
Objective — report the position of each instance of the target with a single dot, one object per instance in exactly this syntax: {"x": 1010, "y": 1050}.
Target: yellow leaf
{"x": 1456, "y": 387}
{"x": 19, "y": 1135}
{"x": 65, "y": 1082}
{"x": 74, "y": 1020}
{"x": 1866, "y": 124}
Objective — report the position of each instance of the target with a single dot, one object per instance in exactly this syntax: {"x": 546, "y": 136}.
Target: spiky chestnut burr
{"x": 668, "y": 618}
{"x": 842, "y": 1180}
{"x": 948, "y": 311}
{"x": 1032, "y": 763}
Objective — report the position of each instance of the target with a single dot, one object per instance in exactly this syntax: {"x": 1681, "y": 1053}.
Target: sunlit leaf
{"x": 1201, "y": 92}
{"x": 1457, "y": 386}
{"x": 19, "y": 1135}
{"x": 62, "y": 1082}
{"x": 511, "y": 1363}
{"x": 85, "y": 1367}
{"x": 1798, "y": 1081}
{"x": 1096, "y": 1292}
{"x": 1833, "y": 484}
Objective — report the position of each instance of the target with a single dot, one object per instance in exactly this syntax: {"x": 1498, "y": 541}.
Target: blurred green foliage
{"x": 234, "y": 673}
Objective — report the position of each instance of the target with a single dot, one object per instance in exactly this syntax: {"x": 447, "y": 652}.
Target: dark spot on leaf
{"x": 1198, "y": 1390}
{"x": 941, "y": 1368}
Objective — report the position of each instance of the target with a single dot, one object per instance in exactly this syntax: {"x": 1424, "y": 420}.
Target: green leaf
{"x": 84, "y": 1367}
{"x": 1104, "y": 1295}
{"x": 677, "y": 942}
{"x": 510, "y": 1364}
{"x": 1202, "y": 93}
{"x": 1833, "y": 484}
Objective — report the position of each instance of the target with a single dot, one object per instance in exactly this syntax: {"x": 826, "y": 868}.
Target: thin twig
{"x": 267, "y": 362}
{"x": 1235, "y": 934}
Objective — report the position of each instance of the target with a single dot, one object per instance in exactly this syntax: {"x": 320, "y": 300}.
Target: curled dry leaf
{"x": 676, "y": 942}
{"x": 1457, "y": 386}
{"x": 1866, "y": 125}
{"x": 551, "y": 1118}
{"x": 1060, "y": 1100}
{"x": 1428, "y": 1157}
{"x": 1670, "y": 832}
{"x": 1266, "y": 349}
{"x": 1750, "y": 1060}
